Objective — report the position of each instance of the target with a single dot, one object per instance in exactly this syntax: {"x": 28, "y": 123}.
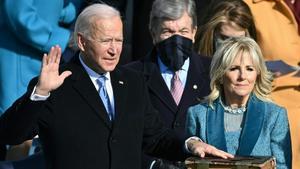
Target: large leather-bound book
{"x": 249, "y": 162}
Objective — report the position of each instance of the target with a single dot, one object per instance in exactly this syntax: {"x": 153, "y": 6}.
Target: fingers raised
{"x": 58, "y": 54}
{"x": 54, "y": 54}
{"x": 45, "y": 60}
{"x": 65, "y": 74}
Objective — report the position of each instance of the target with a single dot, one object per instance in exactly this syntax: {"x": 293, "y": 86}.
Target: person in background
{"x": 27, "y": 30}
{"x": 203, "y": 7}
{"x": 276, "y": 28}
{"x": 89, "y": 113}
{"x": 279, "y": 39}
{"x": 176, "y": 76}
{"x": 228, "y": 18}
{"x": 238, "y": 115}
{"x": 294, "y": 5}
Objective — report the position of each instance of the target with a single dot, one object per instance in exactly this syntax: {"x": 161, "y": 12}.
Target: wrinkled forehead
{"x": 183, "y": 21}
{"x": 102, "y": 26}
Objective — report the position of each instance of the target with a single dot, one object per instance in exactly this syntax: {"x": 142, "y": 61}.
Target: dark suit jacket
{"x": 75, "y": 130}
{"x": 196, "y": 87}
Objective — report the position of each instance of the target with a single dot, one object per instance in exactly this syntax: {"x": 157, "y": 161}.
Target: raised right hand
{"x": 49, "y": 78}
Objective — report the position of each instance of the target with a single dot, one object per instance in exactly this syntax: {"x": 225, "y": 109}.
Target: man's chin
{"x": 110, "y": 68}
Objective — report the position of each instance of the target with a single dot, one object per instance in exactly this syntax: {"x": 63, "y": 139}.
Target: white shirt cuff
{"x": 190, "y": 138}
{"x": 152, "y": 164}
{"x": 37, "y": 97}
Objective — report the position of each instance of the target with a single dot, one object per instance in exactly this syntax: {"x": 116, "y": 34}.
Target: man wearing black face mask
{"x": 174, "y": 51}
{"x": 173, "y": 27}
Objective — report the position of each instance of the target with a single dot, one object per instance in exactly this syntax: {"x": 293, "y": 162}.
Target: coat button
{"x": 195, "y": 87}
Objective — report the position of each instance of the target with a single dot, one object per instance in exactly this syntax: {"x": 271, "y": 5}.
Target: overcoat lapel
{"x": 194, "y": 84}
{"x": 215, "y": 126}
{"x": 120, "y": 90}
{"x": 156, "y": 83}
{"x": 84, "y": 86}
{"x": 252, "y": 125}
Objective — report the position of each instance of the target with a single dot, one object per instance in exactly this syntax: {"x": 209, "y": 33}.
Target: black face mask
{"x": 174, "y": 51}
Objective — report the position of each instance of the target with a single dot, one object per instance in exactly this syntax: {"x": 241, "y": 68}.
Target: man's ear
{"x": 194, "y": 33}
{"x": 80, "y": 41}
{"x": 153, "y": 38}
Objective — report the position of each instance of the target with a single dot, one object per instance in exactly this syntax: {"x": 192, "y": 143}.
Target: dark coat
{"x": 76, "y": 132}
{"x": 196, "y": 87}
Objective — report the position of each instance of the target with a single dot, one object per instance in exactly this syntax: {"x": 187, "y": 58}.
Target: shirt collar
{"x": 163, "y": 68}
{"x": 93, "y": 75}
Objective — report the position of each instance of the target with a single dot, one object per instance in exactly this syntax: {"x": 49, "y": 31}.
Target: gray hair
{"x": 163, "y": 10}
{"x": 86, "y": 21}
{"x": 225, "y": 56}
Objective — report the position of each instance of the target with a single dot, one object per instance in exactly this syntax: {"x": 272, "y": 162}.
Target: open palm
{"x": 49, "y": 78}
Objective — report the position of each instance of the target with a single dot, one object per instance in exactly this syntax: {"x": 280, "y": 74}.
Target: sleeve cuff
{"x": 37, "y": 97}
{"x": 152, "y": 164}
{"x": 187, "y": 140}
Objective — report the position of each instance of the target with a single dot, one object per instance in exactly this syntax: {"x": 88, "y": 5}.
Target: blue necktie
{"x": 104, "y": 96}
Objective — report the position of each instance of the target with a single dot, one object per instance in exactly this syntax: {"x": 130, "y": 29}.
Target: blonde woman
{"x": 238, "y": 115}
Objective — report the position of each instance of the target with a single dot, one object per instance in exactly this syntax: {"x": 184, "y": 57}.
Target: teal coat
{"x": 28, "y": 28}
{"x": 265, "y": 131}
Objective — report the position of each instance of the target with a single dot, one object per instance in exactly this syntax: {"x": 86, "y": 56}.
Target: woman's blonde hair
{"x": 225, "y": 56}
{"x": 226, "y": 11}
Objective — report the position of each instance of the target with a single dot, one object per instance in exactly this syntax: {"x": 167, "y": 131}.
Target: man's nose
{"x": 112, "y": 47}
